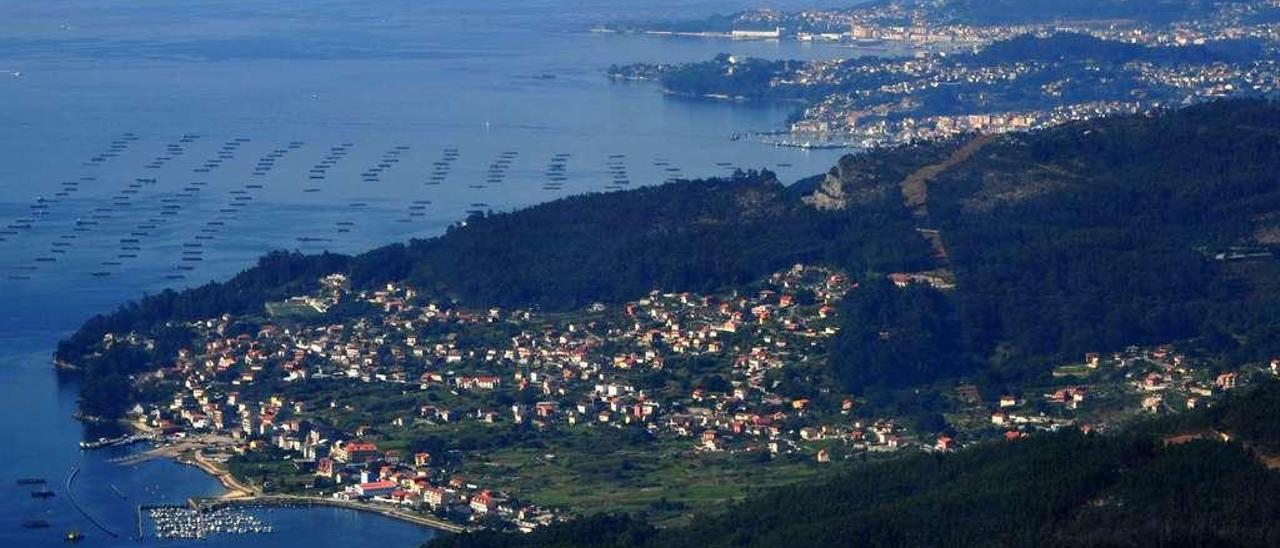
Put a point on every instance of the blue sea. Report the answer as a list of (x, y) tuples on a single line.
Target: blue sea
[(147, 144)]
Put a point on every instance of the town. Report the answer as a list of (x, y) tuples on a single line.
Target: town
[(487, 418), (935, 26), (938, 78)]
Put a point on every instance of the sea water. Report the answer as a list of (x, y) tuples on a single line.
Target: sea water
[(148, 144)]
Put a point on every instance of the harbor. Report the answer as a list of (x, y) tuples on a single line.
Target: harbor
[(291, 501), (175, 522)]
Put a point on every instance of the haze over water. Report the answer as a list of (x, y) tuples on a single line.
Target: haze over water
[(264, 92)]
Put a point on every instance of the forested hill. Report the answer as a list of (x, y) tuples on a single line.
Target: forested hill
[(1162, 486), (1133, 230)]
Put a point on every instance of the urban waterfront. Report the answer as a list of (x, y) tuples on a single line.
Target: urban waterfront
[(516, 81)]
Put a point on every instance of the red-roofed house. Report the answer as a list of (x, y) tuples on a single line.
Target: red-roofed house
[(483, 502), (374, 489), (355, 452)]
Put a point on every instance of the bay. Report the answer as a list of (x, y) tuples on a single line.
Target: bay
[(208, 121)]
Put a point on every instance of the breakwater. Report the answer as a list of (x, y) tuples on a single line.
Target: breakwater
[(71, 495)]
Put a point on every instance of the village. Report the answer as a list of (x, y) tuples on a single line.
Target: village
[(389, 398)]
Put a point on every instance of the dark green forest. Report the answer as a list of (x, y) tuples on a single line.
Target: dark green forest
[(1101, 235), (1061, 489)]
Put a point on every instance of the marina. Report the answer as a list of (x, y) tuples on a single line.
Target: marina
[(172, 522)]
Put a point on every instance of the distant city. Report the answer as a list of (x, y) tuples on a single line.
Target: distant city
[(959, 77)]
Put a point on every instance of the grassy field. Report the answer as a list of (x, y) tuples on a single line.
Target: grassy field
[(291, 310), (1078, 370), (663, 478)]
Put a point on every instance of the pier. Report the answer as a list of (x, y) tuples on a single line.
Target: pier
[(114, 442)]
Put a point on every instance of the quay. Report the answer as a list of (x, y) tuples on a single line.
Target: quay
[(114, 442)]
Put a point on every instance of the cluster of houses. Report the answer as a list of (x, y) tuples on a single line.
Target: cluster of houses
[(368, 474), (1168, 381), (587, 370), (923, 25), (1118, 385), (583, 370), (884, 115)]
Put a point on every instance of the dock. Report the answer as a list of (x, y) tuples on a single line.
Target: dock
[(101, 443)]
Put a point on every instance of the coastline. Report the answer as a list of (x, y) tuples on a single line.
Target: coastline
[(296, 500), (240, 494)]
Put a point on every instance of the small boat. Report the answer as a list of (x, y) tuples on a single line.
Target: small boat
[(31, 481), (35, 524), (42, 494)]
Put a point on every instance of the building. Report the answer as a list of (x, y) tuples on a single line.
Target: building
[(744, 34), (374, 489), (1226, 381), (355, 452), (435, 497), (483, 502)]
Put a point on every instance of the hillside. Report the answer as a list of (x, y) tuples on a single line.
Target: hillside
[(1063, 489), (1091, 237)]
